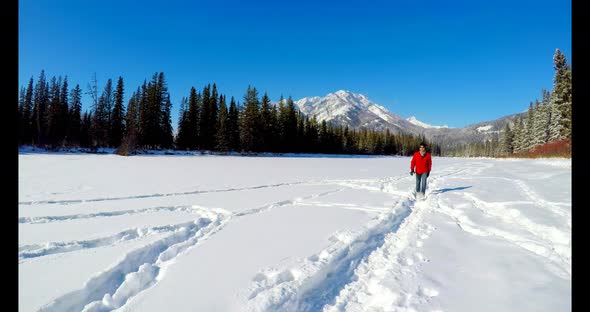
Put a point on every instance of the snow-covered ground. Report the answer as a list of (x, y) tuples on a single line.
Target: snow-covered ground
[(228, 233)]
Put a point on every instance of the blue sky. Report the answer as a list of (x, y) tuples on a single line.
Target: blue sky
[(446, 62)]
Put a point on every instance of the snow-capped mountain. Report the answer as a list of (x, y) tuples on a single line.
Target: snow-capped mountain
[(357, 111), (354, 110), (423, 124)]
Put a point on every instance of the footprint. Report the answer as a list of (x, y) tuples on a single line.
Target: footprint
[(420, 257), (430, 292)]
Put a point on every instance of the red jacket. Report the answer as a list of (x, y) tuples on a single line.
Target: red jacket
[(422, 164)]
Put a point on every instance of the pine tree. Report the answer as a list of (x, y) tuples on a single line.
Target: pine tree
[(75, 118), (118, 116), (162, 110), (40, 105), (213, 112), (289, 123), (63, 116), (249, 124), (54, 110), (108, 99), (20, 120), (222, 132), (85, 130), (233, 128), (506, 141), (166, 122), (310, 135), (555, 125), (539, 124), (274, 128), (281, 130), (130, 139), (27, 115), (142, 115), (182, 135), (101, 121), (546, 109), (529, 141), (323, 137), (562, 91), (300, 133), (192, 124), (266, 130), (518, 140), (203, 123)]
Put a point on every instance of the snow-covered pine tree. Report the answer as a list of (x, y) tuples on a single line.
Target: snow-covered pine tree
[(529, 141), (506, 140), (562, 91), (546, 109), (538, 134), (555, 125), (519, 136)]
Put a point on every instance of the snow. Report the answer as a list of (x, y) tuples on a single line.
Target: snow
[(101, 232), (484, 128), (419, 123), (379, 111)]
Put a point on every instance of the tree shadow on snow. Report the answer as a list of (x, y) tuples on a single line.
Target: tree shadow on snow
[(450, 189)]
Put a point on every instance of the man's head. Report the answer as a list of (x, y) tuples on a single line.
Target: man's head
[(422, 147)]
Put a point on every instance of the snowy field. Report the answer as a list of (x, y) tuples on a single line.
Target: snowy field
[(226, 233)]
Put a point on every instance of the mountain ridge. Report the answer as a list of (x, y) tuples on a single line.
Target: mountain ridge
[(346, 108)]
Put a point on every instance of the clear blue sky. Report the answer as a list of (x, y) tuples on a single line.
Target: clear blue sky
[(446, 62)]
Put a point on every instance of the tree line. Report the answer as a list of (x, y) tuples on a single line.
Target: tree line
[(546, 122), (50, 115)]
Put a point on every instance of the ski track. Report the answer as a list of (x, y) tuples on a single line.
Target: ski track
[(535, 198), (38, 250), (282, 203), (77, 201), (47, 219), (139, 269), (546, 242)]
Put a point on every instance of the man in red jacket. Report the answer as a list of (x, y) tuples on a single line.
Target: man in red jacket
[(421, 165)]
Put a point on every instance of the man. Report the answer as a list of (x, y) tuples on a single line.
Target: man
[(421, 165)]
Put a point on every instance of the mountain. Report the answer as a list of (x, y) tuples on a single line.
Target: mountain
[(357, 111), (422, 124)]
